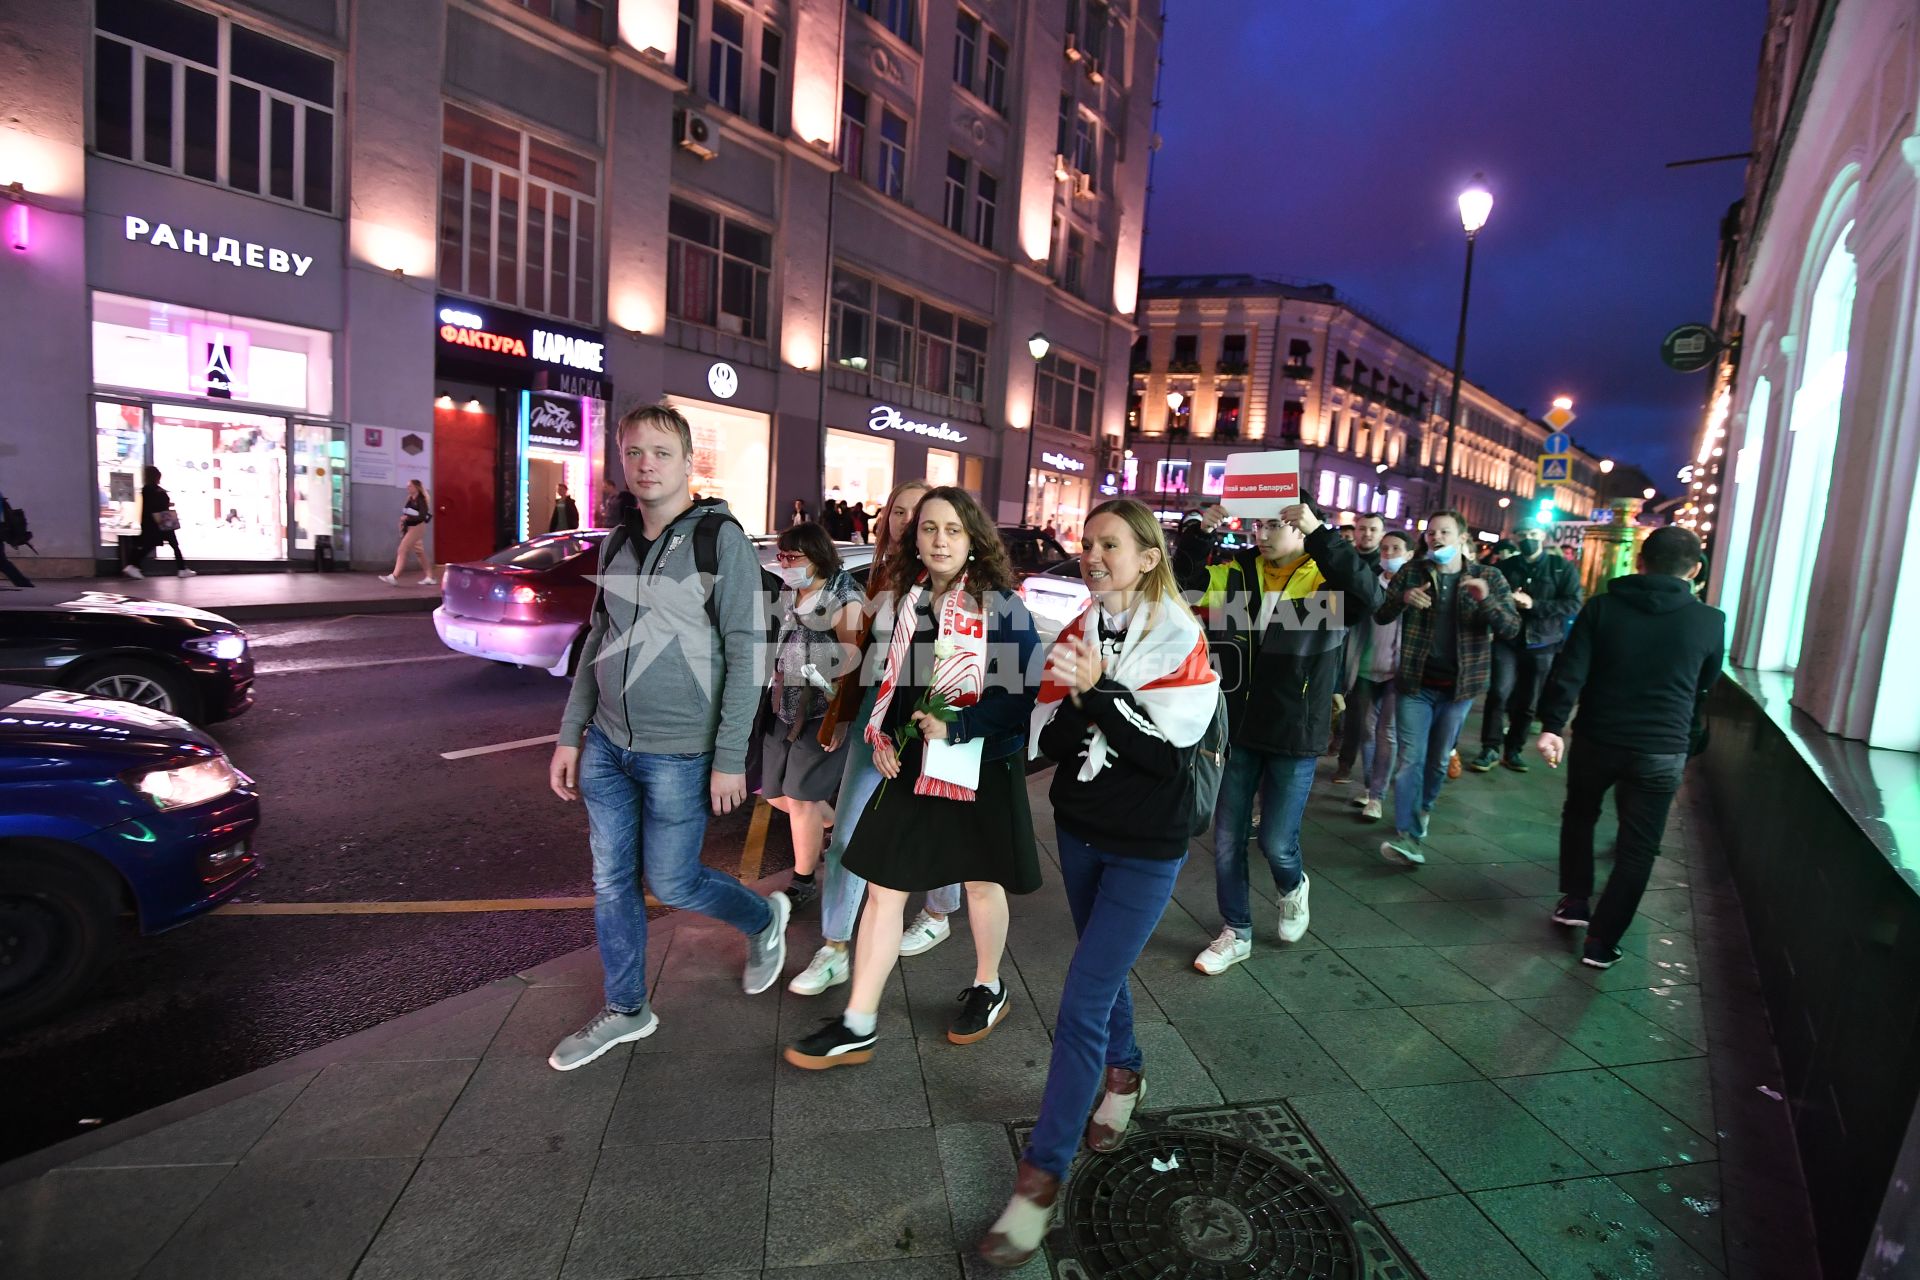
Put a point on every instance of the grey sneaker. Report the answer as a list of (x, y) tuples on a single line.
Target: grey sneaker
[(604, 1030), (767, 951)]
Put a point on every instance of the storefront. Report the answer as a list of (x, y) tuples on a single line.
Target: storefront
[(1059, 490), (520, 409), (233, 411), (872, 447)]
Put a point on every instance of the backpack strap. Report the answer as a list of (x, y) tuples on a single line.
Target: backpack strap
[(612, 543), (706, 556)]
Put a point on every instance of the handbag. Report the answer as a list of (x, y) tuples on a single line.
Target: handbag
[(166, 521)]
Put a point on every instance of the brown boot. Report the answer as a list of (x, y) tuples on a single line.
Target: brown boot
[(1125, 1090), (1018, 1232)]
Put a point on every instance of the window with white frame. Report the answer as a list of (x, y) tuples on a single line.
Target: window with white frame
[(719, 271), (897, 16), (954, 210), (726, 58), (1066, 395), (518, 219), (966, 48), (993, 83), (853, 131), (203, 96), (986, 207), (891, 174), (900, 338), (1086, 147)]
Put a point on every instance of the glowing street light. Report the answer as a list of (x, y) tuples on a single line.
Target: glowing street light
[(1037, 347), (1476, 205)]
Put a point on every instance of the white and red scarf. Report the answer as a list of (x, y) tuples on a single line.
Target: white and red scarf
[(1163, 661), (959, 668)]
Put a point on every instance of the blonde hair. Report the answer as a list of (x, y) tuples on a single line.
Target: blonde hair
[(883, 548), (1158, 586)]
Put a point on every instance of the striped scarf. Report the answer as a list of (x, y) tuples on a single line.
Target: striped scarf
[(959, 669)]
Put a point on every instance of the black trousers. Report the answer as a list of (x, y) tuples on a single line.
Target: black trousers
[(1517, 676), (1643, 786), (152, 541), (13, 574)]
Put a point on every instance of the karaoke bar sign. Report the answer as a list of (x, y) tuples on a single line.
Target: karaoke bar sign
[(1258, 485), (509, 337), (553, 423)]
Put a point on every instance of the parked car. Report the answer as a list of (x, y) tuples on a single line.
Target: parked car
[(113, 817), (529, 605), (167, 657), (1055, 596), (1029, 549)]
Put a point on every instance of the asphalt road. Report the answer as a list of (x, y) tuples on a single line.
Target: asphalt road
[(345, 737)]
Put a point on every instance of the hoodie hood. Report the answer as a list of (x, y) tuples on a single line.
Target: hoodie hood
[(1652, 592)]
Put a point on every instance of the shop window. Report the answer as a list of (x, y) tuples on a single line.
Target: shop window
[(853, 131), (954, 214), (897, 16), (768, 108), (966, 48), (726, 58), (518, 219), (170, 82), (183, 351), (993, 84), (1170, 475), (986, 206), (719, 271), (859, 467), (891, 177), (1343, 493), (1213, 479), (1739, 484), (1392, 510)]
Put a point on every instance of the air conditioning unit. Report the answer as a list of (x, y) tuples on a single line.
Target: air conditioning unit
[(1094, 75), (1073, 48), (1083, 186), (1060, 170), (696, 133)]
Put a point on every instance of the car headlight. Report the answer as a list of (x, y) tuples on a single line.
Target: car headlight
[(180, 785), (224, 645)]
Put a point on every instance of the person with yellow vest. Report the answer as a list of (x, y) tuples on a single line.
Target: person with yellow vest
[(1277, 615)]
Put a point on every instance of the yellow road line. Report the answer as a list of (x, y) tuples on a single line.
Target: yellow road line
[(756, 842), (408, 908)]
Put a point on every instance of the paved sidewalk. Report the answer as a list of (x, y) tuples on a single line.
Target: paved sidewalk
[(1458, 1090), (267, 597)]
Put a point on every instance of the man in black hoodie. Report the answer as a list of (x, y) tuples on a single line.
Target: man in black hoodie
[(1640, 662)]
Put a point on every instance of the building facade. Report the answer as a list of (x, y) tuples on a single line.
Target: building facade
[(296, 253), (1229, 364)]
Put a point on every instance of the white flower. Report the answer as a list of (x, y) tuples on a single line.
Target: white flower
[(945, 647)]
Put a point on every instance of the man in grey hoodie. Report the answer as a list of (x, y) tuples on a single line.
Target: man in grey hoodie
[(657, 725)]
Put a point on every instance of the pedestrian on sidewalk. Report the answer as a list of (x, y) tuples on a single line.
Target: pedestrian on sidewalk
[(656, 727), (1640, 662), (17, 527), (566, 512), (1368, 530), (857, 512), (1546, 592), (1376, 697), (159, 526), (1453, 610), (1277, 616), (415, 514), (819, 629), (853, 705), (946, 730), (1128, 695)]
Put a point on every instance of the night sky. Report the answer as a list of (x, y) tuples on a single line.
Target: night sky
[(1328, 139)]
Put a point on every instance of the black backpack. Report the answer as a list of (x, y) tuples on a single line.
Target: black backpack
[(1209, 762), (13, 528)]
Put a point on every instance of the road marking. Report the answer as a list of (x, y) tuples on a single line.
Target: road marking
[(515, 745), (408, 908), (756, 842), (302, 668)]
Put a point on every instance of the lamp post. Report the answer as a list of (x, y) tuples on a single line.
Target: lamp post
[(1476, 203), (1174, 401), (1037, 347)]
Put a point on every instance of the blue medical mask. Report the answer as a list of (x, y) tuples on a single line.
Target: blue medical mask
[(1393, 565), (1443, 555)]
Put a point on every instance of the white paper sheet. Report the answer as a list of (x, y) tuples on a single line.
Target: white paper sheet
[(957, 765)]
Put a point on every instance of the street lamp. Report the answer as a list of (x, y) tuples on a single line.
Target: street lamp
[(1174, 401), (1476, 204), (1606, 466), (1647, 494), (1505, 503), (1037, 347)]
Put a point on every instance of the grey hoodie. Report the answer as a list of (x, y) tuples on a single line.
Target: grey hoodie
[(654, 676)]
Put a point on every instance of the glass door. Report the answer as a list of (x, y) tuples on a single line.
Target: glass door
[(119, 455), (319, 486), (227, 474)]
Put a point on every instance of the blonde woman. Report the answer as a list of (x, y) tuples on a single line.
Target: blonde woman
[(414, 515), (1128, 694)]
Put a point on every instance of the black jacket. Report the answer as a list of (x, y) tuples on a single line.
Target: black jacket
[(1279, 682), (1639, 662), (566, 515), (1554, 584), (1137, 806)]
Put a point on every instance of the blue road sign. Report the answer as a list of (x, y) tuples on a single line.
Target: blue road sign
[(1558, 443), (1554, 469)]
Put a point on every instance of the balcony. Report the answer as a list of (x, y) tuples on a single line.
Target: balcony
[(1231, 368), (1183, 366), (1299, 372)]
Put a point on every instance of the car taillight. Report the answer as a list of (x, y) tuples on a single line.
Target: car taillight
[(525, 595)]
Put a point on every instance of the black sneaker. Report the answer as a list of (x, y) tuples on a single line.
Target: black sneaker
[(1485, 761), (833, 1045), (980, 1011), (1599, 955), (801, 892), (1573, 911), (1514, 761)]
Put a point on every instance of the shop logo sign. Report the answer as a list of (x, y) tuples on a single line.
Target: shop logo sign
[(235, 253), (574, 353), (551, 424), (723, 380), (217, 361), (885, 417), (1061, 462)]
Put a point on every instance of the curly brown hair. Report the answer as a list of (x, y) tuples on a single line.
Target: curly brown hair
[(988, 569)]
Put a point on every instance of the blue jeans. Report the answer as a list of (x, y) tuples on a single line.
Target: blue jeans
[(1282, 783), (841, 896), (650, 812), (1430, 721), (1115, 902), (1379, 736)]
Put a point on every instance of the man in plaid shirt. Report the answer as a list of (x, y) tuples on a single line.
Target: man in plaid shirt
[(1452, 610)]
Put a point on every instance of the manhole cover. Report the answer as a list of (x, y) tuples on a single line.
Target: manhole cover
[(1176, 1203)]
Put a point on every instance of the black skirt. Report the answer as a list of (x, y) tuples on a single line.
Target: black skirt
[(912, 843)]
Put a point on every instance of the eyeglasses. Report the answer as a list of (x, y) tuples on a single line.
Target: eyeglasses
[(791, 557)]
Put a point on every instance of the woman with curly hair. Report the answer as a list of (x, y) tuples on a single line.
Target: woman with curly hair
[(947, 727)]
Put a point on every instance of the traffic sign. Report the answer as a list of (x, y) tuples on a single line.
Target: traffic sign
[(1559, 419), (1554, 468), (1558, 442), (1689, 348)]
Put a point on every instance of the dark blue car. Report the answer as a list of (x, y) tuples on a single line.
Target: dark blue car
[(112, 817)]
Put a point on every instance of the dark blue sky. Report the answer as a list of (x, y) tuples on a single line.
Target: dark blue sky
[(1329, 138)]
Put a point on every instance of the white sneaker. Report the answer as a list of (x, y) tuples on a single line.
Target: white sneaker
[(924, 934), (1224, 952), (389, 579), (130, 572), (186, 573), (425, 582), (1402, 852), (1293, 913), (828, 969), (1360, 799), (1370, 811)]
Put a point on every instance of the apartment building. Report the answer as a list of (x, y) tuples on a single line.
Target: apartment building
[(296, 253), (1228, 364)]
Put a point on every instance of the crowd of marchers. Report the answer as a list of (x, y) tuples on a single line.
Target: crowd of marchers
[(893, 723)]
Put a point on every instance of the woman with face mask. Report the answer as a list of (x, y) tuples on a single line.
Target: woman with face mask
[(819, 630)]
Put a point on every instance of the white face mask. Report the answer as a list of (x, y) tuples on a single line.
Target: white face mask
[(1393, 565), (796, 576)]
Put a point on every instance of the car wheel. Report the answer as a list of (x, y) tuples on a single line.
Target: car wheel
[(59, 926), (144, 683)]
